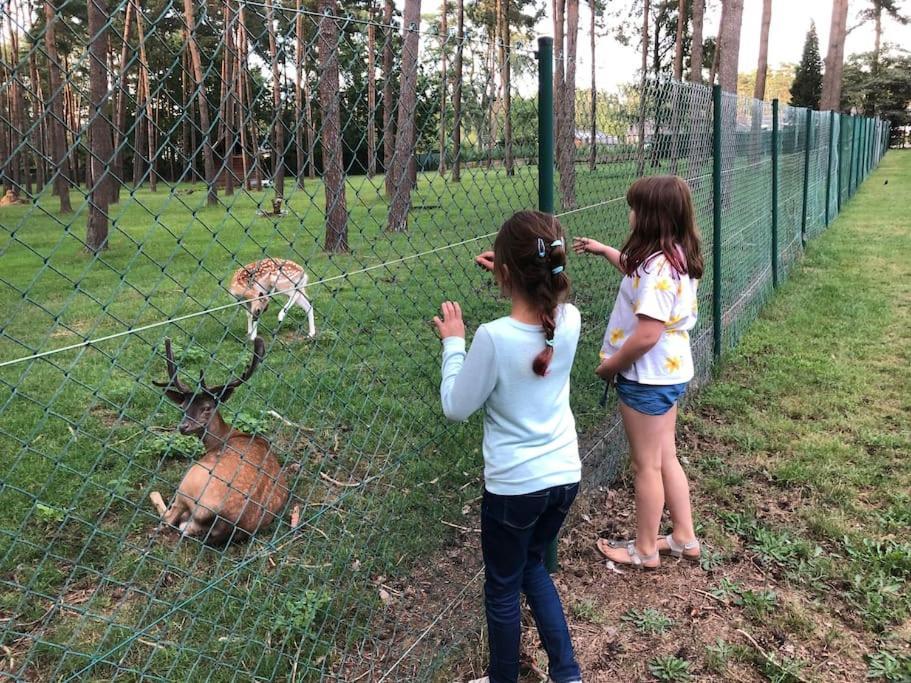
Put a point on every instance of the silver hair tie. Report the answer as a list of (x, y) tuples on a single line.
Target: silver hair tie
[(549, 342), (557, 270)]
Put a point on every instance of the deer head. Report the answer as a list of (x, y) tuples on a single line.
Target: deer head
[(200, 404)]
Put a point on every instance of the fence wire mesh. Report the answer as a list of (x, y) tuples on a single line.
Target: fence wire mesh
[(151, 151)]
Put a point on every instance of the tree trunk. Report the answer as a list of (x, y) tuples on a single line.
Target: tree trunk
[(388, 120), (229, 104), (404, 143), (71, 138), (696, 41), (593, 155), (640, 141), (39, 136), (729, 44), (831, 81), (299, 76), (330, 105), (309, 128), (101, 152), (371, 90), (678, 45), (492, 92), (877, 46), (120, 114), (202, 105), (278, 130), (146, 97), (506, 81), (17, 168), (254, 177), (568, 171), (762, 66), (444, 42), (559, 8), (457, 95)]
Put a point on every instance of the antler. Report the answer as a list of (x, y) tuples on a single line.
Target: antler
[(224, 392), (173, 379)]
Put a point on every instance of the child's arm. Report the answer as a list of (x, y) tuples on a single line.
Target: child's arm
[(468, 378), (582, 245), (647, 333)]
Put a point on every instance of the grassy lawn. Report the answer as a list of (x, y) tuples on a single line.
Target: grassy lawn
[(799, 455), (83, 582)]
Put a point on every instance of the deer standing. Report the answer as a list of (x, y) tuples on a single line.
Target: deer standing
[(237, 487), (255, 283)]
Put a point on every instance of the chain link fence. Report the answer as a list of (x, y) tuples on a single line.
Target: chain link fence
[(151, 151)]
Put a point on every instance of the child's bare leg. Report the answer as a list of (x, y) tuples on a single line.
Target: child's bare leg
[(646, 435), (676, 487)]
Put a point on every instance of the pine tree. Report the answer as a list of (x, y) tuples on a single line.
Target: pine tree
[(807, 86)]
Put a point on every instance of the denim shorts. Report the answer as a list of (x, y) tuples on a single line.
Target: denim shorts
[(649, 399)]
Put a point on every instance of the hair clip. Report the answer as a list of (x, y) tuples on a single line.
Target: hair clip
[(557, 243), (549, 342), (557, 270), (540, 248)]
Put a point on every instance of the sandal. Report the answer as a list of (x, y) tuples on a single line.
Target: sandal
[(678, 551), (637, 561)]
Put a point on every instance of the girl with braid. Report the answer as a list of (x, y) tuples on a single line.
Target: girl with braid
[(518, 369)]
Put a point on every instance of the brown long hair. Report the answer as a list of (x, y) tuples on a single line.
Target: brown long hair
[(525, 258), (663, 221)]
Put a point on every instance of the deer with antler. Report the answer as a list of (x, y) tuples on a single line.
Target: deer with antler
[(237, 487)]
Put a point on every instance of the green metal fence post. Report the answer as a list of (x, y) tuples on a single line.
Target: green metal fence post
[(806, 177), (546, 125), (841, 162), (829, 165), (853, 145), (775, 192), (546, 171), (716, 221)]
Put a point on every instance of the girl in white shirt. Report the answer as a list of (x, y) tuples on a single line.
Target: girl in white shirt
[(646, 351), (518, 370)]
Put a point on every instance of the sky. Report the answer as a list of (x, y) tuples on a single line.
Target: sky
[(790, 23)]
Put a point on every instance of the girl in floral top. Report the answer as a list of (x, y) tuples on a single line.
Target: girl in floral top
[(646, 352)]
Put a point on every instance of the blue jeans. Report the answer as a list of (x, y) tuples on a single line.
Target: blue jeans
[(515, 534)]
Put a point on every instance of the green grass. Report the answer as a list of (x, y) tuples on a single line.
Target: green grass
[(86, 434), (814, 409)]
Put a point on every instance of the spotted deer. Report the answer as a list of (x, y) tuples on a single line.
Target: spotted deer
[(237, 487), (255, 283)]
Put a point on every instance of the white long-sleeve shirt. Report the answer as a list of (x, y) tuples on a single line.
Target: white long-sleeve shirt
[(530, 439)]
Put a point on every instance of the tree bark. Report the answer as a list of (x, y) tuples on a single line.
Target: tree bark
[(146, 99), (330, 105), (101, 152), (202, 105), (120, 112), (17, 168), (729, 44), (593, 154), (696, 42), (39, 136), (444, 40), (457, 95), (388, 120), (568, 171), (278, 130), (831, 81), (404, 143), (559, 10), (506, 80), (640, 142), (299, 76), (678, 45), (371, 91), (763, 65)]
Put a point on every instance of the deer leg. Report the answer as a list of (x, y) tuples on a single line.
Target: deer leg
[(158, 503), (254, 324), (304, 303), (282, 313)]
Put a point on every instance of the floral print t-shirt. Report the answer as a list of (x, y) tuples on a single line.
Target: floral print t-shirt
[(658, 291)]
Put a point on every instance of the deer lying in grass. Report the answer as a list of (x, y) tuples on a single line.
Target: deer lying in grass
[(255, 283), (237, 487)]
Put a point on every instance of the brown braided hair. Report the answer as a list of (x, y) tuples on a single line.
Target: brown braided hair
[(524, 260)]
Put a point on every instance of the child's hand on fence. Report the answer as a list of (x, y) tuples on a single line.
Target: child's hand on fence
[(451, 324), (586, 245), (485, 260)]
